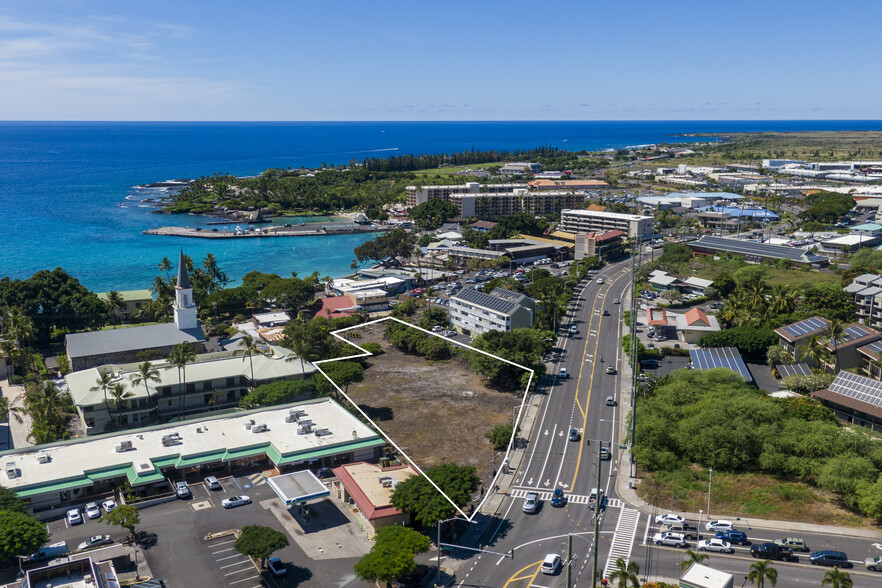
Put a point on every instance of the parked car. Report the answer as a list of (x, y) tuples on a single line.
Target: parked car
[(720, 525), (94, 541), (182, 490), (276, 567), (575, 435), (668, 519), (715, 545), (49, 551), (212, 483), (92, 511), (770, 550), (108, 505), (74, 517), (837, 559), (550, 564), (874, 564), (733, 536), (794, 543), (236, 501), (531, 502), (669, 538), (557, 498)]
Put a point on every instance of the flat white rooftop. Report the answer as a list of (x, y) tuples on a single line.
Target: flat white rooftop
[(80, 462), (604, 214)]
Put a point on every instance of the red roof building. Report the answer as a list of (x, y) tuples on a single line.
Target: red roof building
[(370, 487), (335, 307)]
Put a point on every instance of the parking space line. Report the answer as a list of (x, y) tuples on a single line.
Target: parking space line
[(244, 579), (221, 551), (238, 563), (223, 543), (240, 572), (227, 557)]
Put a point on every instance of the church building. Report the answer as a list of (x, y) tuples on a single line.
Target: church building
[(123, 345)]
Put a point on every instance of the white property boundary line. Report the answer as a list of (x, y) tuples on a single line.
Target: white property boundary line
[(365, 353)]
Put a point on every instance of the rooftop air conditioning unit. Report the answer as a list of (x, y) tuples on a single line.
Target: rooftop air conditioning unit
[(249, 424), (258, 428), (303, 429), (386, 481), (322, 432), (11, 470), (43, 457)]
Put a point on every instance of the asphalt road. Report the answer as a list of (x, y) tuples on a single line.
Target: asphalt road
[(552, 461)]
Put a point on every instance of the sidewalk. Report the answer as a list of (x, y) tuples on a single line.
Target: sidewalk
[(15, 434)]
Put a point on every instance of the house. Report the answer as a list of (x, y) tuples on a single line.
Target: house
[(559, 184), (133, 301), (475, 312), (693, 285), (661, 280), (124, 345), (335, 307), (266, 320), (854, 399), (67, 474), (389, 284), (794, 338), (845, 350), (370, 487), (212, 382), (695, 323)]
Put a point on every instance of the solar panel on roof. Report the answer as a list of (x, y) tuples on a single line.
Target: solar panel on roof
[(758, 249), (801, 328), (854, 332), (485, 300), (725, 357), (858, 387), (875, 347), (799, 369)]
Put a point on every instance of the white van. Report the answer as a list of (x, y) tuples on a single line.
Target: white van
[(50, 551)]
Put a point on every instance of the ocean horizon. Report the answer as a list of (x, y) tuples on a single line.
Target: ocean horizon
[(68, 196)]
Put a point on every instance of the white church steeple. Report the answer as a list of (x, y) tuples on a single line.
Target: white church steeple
[(185, 308)]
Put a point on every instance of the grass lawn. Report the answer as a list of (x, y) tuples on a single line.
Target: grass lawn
[(450, 171), (746, 496), (709, 268)]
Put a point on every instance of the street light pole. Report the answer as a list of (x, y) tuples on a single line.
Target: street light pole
[(710, 474)]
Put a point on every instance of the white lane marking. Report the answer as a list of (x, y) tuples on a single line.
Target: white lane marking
[(222, 550), (238, 563), (245, 579), (623, 541), (548, 454), (227, 557)]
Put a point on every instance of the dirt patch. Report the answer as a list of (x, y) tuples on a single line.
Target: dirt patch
[(437, 412), (748, 495)]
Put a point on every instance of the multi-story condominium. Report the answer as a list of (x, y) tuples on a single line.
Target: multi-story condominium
[(422, 194), (592, 221), (475, 312), (867, 292), (497, 200)]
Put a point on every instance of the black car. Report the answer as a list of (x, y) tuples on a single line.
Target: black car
[(575, 435), (770, 550), (837, 559), (733, 536)]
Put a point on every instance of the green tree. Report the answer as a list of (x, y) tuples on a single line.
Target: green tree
[(341, 373), (165, 265), (10, 502), (181, 354), (391, 556), (396, 243), (777, 355), (691, 558), (248, 348), (760, 571), (103, 383), (115, 303), (836, 578), (120, 395), (260, 542), (625, 574), (125, 516), (434, 316), (428, 506), (432, 213), (146, 373), (500, 435), (278, 392), (20, 534), (835, 333)]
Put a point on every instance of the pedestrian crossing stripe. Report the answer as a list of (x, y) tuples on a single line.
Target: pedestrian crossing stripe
[(571, 498), (623, 540), (256, 479)]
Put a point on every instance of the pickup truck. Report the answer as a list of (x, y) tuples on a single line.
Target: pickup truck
[(771, 551)]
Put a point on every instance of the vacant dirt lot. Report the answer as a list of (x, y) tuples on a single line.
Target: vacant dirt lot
[(437, 412)]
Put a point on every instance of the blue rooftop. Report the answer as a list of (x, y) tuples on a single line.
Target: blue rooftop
[(737, 211)]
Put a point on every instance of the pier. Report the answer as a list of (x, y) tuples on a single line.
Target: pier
[(304, 230)]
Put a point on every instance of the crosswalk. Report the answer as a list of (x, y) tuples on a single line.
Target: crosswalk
[(626, 529), (256, 479), (571, 498)]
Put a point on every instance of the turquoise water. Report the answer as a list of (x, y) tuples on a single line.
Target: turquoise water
[(67, 196)]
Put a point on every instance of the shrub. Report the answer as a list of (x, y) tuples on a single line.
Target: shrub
[(500, 435)]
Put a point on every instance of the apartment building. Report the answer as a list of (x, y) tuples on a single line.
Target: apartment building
[(497, 200), (867, 292), (422, 194), (475, 312), (593, 221), (520, 168)]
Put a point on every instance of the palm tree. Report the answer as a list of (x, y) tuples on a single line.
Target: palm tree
[(166, 265), (47, 406), (815, 351), (146, 374), (781, 300), (160, 287), (692, 558), (180, 356), (248, 347), (215, 275), (119, 394), (19, 328), (115, 303), (296, 339), (103, 383), (626, 574), (760, 571), (836, 578), (835, 333)]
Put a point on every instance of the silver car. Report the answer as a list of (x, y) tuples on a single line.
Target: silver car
[(236, 501), (669, 538)]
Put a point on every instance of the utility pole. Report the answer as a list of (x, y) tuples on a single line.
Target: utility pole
[(597, 505), (633, 356), (569, 560)]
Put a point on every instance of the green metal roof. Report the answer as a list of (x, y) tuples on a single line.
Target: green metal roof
[(165, 461), (200, 459), (282, 460), (113, 472), (55, 487), (136, 480), (246, 452)]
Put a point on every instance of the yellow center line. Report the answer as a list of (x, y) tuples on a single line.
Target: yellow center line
[(515, 577), (591, 385)]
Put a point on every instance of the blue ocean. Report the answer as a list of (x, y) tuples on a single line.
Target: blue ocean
[(67, 196)]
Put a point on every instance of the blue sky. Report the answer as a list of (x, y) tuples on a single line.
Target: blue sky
[(404, 60)]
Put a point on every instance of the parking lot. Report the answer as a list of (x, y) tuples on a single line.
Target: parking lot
[(178, 553)]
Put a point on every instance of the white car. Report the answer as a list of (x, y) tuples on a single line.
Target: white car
[(599, 280), (617, 301), (92, 511), (717, 545), (668, 519), (236, 501), (531, 503), (108, 505), (669, 538), (720, 525), (550, 564), (74, 517), (94, 541)]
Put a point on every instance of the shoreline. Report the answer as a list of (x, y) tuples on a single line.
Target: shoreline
[(278, 231)]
